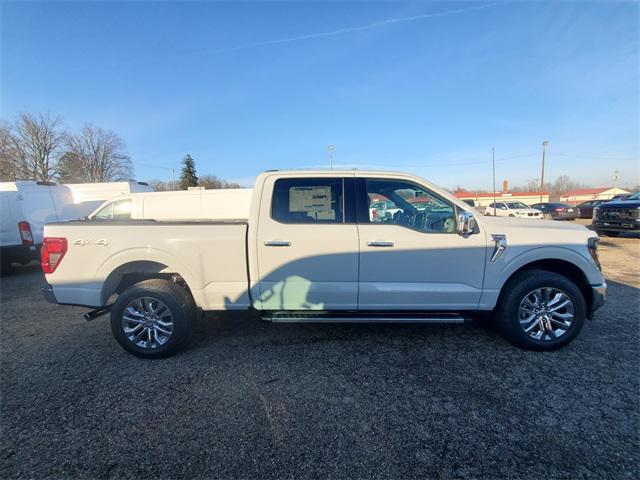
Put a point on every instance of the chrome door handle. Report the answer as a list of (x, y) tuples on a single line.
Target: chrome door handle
[(277, 243), (380, 244)]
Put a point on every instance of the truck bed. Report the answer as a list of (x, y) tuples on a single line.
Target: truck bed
[(211, 257)]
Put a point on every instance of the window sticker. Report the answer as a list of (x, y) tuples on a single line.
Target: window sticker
[(315, 201)]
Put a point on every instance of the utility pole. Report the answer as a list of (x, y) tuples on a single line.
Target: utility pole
[(544, 153), (173, 179), (330, 150), (493, 162), (616, 177)]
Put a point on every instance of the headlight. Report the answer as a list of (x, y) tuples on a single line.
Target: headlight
[(595, 212), (592, 244)]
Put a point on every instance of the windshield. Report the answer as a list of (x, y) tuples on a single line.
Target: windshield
[(516, 205), (634, 196)]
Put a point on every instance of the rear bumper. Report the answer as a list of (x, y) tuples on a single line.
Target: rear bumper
[(598, 297), (63, 298), (19, 253), (564, 216), (47, 293)]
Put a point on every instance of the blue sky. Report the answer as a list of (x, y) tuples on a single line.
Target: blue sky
[(425, 87)]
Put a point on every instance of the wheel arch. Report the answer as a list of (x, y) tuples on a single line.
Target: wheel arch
[(130, 273), (562, 267)]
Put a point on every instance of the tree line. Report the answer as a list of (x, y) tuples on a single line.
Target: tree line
[(189, 178), (39, 147), (560, 186)]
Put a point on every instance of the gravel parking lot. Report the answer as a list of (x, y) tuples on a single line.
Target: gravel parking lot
[(252, 399)]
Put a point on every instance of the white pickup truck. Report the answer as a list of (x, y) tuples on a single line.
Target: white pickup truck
[(310, 250)]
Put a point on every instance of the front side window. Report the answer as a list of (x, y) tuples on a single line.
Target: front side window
[(308, 200), (514, 205), (120, 210), (409, 205)]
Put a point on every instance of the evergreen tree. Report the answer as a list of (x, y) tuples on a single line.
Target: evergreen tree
[(188, 176)]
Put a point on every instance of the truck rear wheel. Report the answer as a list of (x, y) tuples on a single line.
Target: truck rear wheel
[(540, 310), (153, 318)]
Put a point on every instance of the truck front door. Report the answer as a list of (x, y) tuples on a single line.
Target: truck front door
[(307, 244), (415, 259)]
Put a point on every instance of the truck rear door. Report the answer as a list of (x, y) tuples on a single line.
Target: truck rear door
[(307, 244)]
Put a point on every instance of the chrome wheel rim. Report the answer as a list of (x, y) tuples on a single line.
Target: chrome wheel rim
[(147, 322), (546, 313)]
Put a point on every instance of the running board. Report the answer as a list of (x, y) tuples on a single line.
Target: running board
[(354, 317)]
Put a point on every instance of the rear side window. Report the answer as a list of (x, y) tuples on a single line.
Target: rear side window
[(308, 200)]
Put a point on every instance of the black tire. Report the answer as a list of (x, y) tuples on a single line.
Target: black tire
[(178, 301), (517, 288), (608, 233)]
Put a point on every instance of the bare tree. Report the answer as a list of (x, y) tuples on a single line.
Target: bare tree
[(10, 155), (212, 182), (160, 185), (36, 144), (96, 155)]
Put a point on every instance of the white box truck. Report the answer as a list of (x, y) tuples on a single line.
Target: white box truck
[(89, 196)]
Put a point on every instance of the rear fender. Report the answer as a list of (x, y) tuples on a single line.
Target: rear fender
[(150, 260)]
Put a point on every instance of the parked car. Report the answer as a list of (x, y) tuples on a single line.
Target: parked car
[(620, 196), (614, 217), (309, 251), (26, 206), (585, 209), (512, 209), (221, 204), (557, 211)]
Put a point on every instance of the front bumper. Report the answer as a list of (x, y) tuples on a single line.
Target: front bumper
[(631, 225), (598, 298)]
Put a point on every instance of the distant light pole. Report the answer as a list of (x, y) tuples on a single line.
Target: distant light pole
[(616, 177), (330, 150), (493, 162), (544, 153)]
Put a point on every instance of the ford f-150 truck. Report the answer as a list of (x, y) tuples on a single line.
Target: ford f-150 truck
[(311, 250), (618, 216)]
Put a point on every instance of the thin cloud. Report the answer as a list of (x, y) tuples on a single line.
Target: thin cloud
[(311, 36), (370, 26)]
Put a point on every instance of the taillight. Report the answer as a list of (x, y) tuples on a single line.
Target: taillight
[(52, 252), (558, 209), (25, 233)]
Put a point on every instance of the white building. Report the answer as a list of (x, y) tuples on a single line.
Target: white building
[(580, 195)]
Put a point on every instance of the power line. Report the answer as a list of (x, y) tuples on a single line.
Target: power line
[(445, 164), (592, 157)]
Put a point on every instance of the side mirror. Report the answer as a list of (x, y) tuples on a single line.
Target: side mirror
[(466, 223)]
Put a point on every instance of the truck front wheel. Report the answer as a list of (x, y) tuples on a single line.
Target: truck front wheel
[(540, 310), (153, 318)]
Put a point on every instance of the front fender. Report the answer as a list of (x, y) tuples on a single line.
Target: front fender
[(498, 273)]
